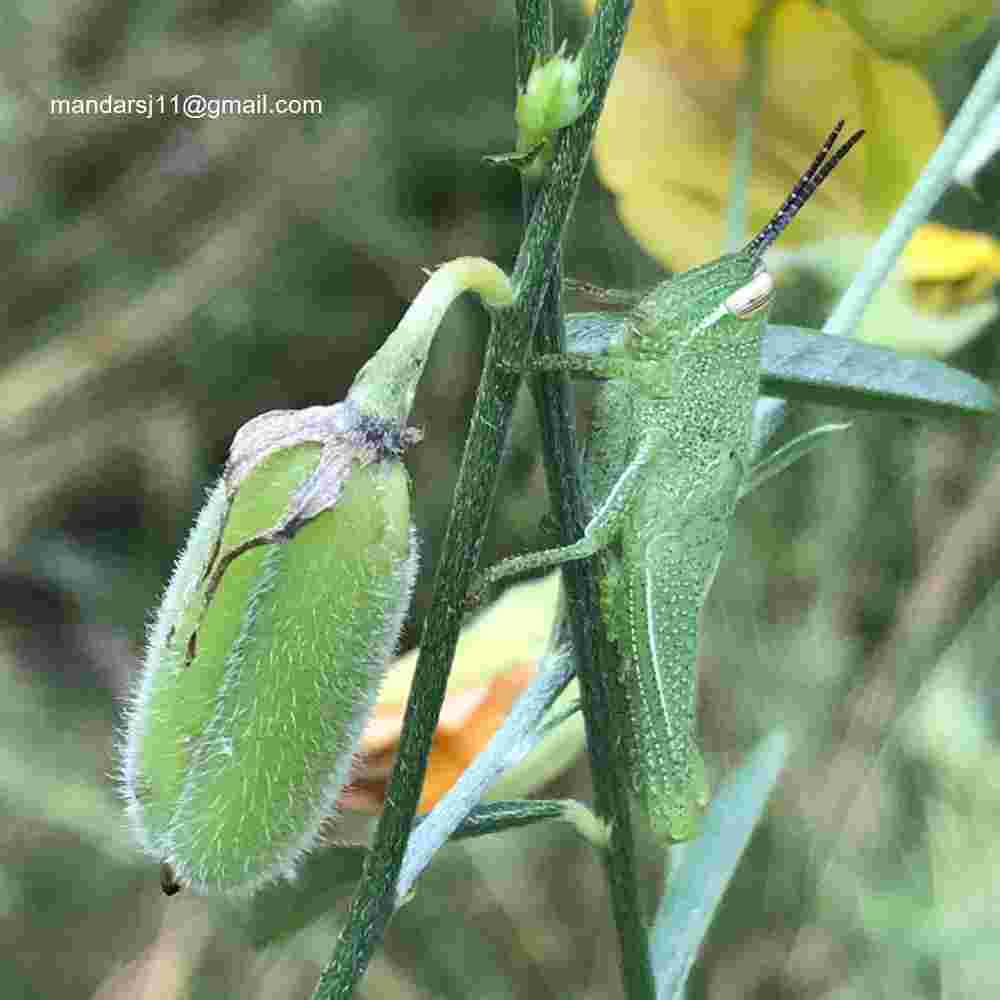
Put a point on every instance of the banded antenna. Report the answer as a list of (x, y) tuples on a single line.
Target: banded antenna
[(818, 171)]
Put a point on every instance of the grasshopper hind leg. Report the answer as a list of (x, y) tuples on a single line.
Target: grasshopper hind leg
[(669, 774)]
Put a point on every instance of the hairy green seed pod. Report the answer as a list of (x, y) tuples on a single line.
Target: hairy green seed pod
[(269, 647), (283, 612)]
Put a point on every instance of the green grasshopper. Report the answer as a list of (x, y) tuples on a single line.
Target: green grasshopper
[(669, 457)]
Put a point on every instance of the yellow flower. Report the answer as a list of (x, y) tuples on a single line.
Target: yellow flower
[(665, 142), (949, 268)]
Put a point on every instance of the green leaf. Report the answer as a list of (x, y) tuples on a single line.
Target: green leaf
[(508, 814), (281, 909), (786, 456), (593, 332), (520, 733), (797, 363), (708, 864)]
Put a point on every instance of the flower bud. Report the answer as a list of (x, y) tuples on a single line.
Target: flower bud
[(550, 101), (283, 612), (270, 645)]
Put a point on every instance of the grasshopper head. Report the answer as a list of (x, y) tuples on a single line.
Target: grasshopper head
[(731, 296), (724, 297)]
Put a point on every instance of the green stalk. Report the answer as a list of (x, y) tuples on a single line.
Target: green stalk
[(601, 697), (918, 204), (374, 901), (751, 93)]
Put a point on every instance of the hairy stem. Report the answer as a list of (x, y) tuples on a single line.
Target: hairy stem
[(374, 901), (601, 698)]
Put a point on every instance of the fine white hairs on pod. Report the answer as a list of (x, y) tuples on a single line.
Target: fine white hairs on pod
[(268, 649)]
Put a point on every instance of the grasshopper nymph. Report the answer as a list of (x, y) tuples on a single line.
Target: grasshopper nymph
[(670, 451)]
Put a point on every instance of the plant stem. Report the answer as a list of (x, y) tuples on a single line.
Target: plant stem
[(535, 36), (601, 697), (387, 384), (917, 205), (749, 102), (374, 901)]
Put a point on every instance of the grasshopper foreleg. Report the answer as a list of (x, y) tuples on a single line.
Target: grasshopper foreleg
[(601, 530)]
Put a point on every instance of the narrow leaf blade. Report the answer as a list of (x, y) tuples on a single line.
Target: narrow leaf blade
[(508, 814), (797, 363), (696, 888)]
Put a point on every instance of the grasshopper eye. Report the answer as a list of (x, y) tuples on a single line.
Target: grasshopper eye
[(750, 298)]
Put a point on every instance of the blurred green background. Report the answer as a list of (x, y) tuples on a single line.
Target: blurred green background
[(166, 279)]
